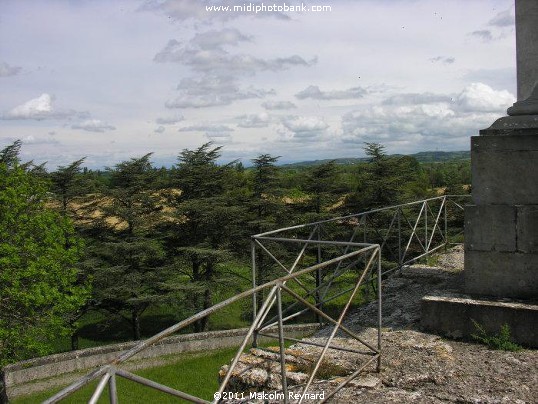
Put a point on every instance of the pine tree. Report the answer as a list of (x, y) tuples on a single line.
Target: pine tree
[(133, 272), (207, 225), (66, 183)]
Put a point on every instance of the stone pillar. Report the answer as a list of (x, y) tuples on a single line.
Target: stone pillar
[(527, 47), (501, 226)]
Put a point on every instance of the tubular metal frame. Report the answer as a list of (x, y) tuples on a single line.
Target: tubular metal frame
[(352, 254), (108, 373)]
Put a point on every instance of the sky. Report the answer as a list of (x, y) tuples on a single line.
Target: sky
[(114, 80)]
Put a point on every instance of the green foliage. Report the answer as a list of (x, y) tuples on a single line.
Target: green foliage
[(198, 175), (320, 183), (501, 341), (176, 236), (131, 183), (131, 272), (385, 181), (39, 281), (265, 201), (209, 223), (66, 183), (451, 175)]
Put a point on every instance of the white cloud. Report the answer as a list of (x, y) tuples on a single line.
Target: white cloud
[(212, 90), (260, 120), (503, 19), (216, 39), (206, 128), (499, 78), (220, 137), (217, 60), (183, 10), (201, 101), (37, 108), (214, 132), (417, 98), (305, 127), (93, 125), (479, 97), (32, 140), (7, 70), (160, 129), (443, 60), (178, 10), (169, 120), (41, 108), (427, 118), (241, 67), (315, 93), (278, 105), (484, 34)]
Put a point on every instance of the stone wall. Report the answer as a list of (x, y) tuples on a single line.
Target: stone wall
[(75, 361), (501, 241)]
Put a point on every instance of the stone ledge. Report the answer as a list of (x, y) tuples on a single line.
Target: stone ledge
[(453, 317), (58, 364), (513, 125)]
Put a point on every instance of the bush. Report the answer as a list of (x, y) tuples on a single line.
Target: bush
[(501, 341)]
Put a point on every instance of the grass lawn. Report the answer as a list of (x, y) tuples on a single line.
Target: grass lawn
[(193, 374)]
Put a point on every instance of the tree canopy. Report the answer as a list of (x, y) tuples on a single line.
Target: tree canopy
[(39, 285)]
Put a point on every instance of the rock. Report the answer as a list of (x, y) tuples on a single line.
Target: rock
[(416, 367), (367, 381)]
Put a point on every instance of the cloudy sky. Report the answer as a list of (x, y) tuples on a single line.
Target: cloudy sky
[(117, 79)]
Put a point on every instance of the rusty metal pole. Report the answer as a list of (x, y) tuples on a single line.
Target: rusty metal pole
[(281, 344)]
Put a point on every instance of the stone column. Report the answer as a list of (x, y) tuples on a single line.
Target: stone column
[(501, 226), (527, 47)]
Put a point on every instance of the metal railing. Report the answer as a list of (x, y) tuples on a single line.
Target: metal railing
[(405, 233), (318, 261), (290, 286)]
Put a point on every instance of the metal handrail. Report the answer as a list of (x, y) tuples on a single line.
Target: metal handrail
[(397, 221), (108, 373), (351, 255), (427, 236)]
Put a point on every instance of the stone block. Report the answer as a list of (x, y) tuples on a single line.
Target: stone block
[(453, 317), (527, 229), (490, 228), (501, 274), (504, 169), (513, 125)]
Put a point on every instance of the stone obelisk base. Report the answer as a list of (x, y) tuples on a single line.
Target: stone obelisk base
[(501, 226), (501, 239)]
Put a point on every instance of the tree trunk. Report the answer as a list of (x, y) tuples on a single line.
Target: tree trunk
[(136, 324), (3, 389), (207, 304), (74, 341), (196, 277)]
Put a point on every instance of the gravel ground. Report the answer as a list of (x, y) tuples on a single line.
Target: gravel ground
[(425, 368)]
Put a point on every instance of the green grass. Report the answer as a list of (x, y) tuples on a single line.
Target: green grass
[(193, 374)]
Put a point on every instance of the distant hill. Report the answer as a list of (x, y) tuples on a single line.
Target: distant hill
[(422, 157)]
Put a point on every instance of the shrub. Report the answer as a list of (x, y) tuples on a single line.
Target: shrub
[(501, 341)]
